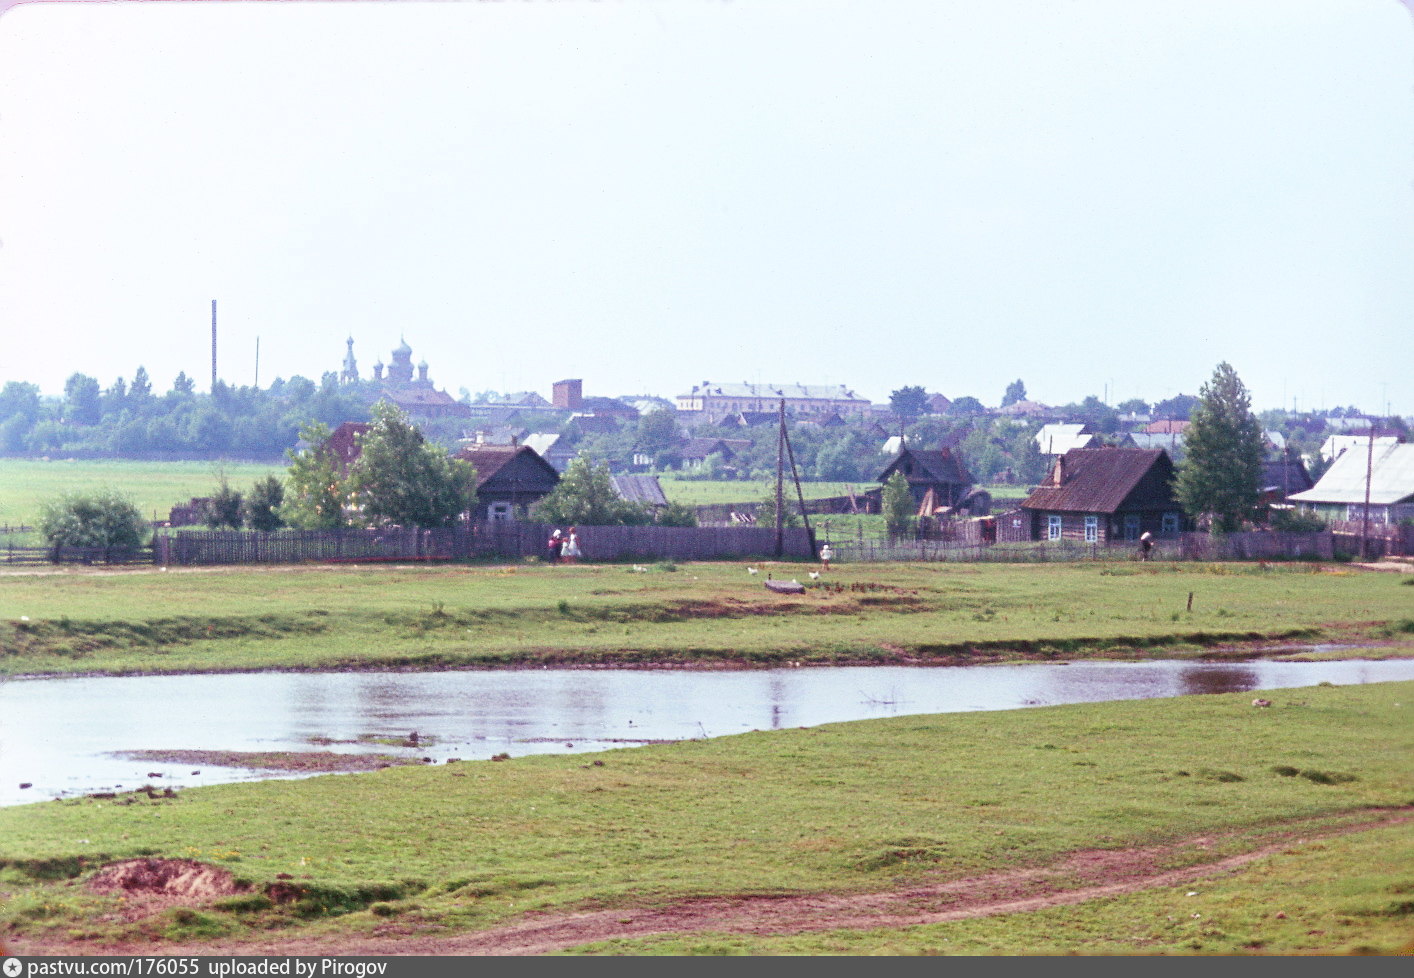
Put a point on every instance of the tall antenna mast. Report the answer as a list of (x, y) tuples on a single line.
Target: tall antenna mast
[(257, 363), (213, 344)]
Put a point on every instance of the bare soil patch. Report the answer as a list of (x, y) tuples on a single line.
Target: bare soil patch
[(182, 880), (310, 762)]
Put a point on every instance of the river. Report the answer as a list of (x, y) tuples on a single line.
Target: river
[(67, 736)]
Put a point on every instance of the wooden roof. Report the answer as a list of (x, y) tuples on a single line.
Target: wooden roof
[(491, 459), (1096, 480), (939, 465)]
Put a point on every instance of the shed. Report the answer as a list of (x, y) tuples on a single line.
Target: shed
[(642, 489)]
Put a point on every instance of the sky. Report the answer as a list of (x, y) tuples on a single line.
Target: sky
[(1096, 197)]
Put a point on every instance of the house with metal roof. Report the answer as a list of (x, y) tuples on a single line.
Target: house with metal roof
[(1101, 495), (1384, 476), (1057, 438), (1335, 445)]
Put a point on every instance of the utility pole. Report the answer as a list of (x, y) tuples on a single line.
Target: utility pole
[(780, 486), (257, 363), (1369, 471)]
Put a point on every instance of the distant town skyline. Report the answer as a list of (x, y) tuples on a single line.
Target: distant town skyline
[(1096, 197)]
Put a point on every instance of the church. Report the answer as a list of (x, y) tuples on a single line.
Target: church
[(395, 383)]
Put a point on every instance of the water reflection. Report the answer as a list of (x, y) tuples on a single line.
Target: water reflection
[(1220, 679), (61, 734)]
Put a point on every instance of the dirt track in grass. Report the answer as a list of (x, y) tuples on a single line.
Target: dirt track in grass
[(1071, 879)]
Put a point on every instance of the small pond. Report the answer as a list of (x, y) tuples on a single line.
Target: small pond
[(67, 736)]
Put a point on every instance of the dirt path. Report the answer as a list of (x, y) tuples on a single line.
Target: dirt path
[(1073, 879)]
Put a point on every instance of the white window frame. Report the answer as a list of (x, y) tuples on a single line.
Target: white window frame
[(500, 512), (1092, 529), (1053, 527)]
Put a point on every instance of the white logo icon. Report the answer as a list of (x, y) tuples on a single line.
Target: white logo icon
[(12, 967)]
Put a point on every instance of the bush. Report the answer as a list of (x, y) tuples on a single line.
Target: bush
[(1295, 521), (104, 519)]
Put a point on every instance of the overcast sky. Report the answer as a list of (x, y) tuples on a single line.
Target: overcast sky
[(1095, 197)]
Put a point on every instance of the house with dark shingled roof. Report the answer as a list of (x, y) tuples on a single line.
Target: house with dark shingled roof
[(938, 472), (1104, 495)]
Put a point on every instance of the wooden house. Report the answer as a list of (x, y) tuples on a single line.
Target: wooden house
[(1102, 495), (509, 480), (936, 477)]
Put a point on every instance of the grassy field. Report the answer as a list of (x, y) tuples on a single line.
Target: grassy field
[(154, 487), (692, 492), (1046, 801), (218, 619)]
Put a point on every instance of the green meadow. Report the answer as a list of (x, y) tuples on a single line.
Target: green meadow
[(214, 619), (154, 487), (1320, 783)]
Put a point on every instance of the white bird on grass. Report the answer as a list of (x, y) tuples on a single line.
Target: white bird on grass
[(814, 575), (752, 570)]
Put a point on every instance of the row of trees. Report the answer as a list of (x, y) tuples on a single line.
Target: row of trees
[(129, 418)]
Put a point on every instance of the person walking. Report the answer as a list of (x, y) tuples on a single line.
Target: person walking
[(556, 546), (826, 554), (572, 552)]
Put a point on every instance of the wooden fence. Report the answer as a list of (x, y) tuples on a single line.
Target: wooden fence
[(1263, 545), (495, 540), (1188, 546), (1381, 539), (31, 556)]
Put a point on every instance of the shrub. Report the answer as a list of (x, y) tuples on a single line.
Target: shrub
[(104, 519)]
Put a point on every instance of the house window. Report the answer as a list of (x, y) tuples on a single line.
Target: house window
[(1092, 529), (1168, 526), (499, 512), (1131, 527), (1053, 527)]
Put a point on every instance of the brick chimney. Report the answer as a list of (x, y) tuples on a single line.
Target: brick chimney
[(569, 394)]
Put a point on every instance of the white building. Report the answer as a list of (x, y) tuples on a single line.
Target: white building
[(711, 402)]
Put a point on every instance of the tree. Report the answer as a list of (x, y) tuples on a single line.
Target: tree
[(403, 479), (585, 496), (103, 519), (1221, 471), (141, 387), (317, 494), (20, 400), (262, 504), (766, 510), (966, 407), (676, 514), (897, 504), (1175, 408), (183, 385), (224, 508), (909, 402), (1133, 406), (1015, 391), (82, 400)]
